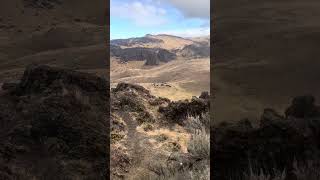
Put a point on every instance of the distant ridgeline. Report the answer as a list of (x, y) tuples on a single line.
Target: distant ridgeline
[(133, 49), (134, 41)]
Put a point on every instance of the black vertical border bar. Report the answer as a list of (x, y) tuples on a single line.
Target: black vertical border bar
[(107, 41), (212, 95)]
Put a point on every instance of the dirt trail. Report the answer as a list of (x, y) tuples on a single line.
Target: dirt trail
[(137, 143)]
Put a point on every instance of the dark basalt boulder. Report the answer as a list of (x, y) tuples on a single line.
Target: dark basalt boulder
[(178, 111)]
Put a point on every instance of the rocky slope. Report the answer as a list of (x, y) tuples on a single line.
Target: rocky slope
[(54, 125), (145, 127), (281, 143), (196, 50)]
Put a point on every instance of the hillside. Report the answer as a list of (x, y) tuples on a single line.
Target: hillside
[(163, 41), (54, 125), (282, 146), (153, 137), (177, 72), (176, 80), (47, 32), (182, 47), (265, 54)]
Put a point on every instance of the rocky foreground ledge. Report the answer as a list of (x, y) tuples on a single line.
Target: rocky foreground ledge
[(54, 125), (283, 145)]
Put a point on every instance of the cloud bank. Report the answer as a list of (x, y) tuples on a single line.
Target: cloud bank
[(192, 8), (140, 13)]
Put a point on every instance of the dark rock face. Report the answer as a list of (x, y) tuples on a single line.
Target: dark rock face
[(197, 50), (180, 110), (37, 79), (56, 117), (273, 146), (150, 55), (204, 95), (303, 107)]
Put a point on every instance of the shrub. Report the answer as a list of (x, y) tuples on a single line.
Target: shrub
[(307, 171), (199, 145), (147, 127)]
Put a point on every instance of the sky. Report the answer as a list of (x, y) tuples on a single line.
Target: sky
[(136, 18)]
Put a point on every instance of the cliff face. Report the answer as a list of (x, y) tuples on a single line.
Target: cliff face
[(152, 56), (197, 50), (54, 125)]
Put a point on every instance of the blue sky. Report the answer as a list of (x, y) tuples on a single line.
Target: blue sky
[(186, 18)]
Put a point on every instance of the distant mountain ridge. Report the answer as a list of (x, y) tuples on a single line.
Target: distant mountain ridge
[(133, 41), (159, 48)]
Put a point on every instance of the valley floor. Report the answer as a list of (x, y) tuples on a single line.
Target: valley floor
[(177, 80)]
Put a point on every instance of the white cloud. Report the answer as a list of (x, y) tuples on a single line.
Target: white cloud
[(192, 8), (192, 32), (141, 13)]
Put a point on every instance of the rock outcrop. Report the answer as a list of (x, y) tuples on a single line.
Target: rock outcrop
[(196, 50), (178, 111), (272, 147), (152, 56), (54, 125)]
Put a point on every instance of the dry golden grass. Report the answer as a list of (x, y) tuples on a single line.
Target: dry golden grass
[(186, 78), (178, 135)]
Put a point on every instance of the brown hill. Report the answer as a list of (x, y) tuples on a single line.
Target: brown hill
[(46, 32), (163, 41), (265, 53)]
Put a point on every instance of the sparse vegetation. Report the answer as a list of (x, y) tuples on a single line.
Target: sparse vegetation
[(305, 171), (195, 164), (56, 125), (161, 137), (149, 146), (279, 148), (147, 126)]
